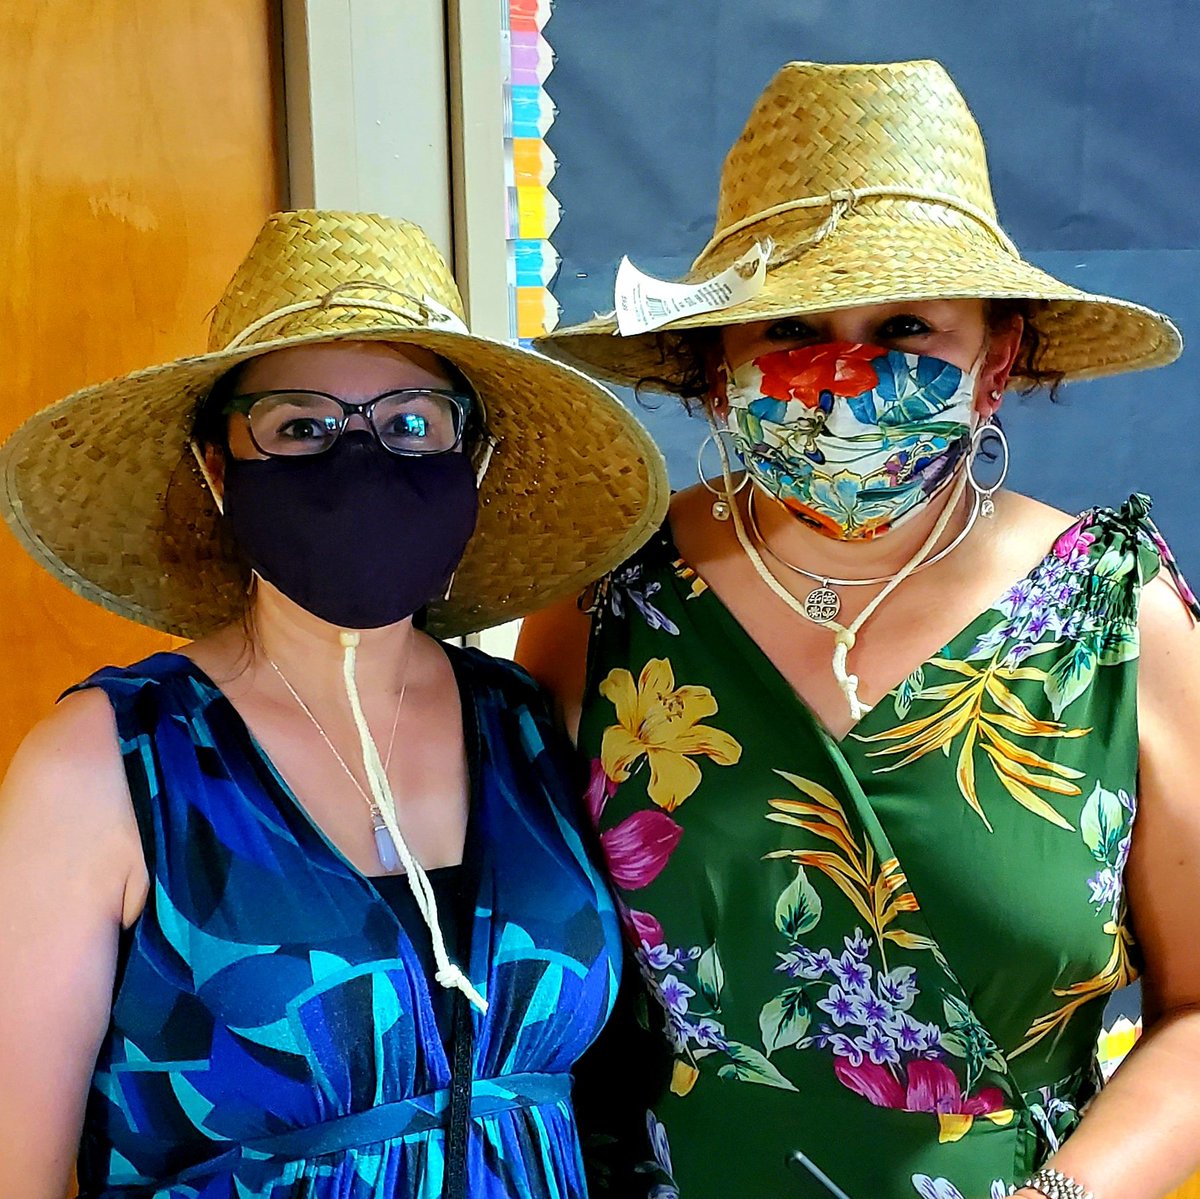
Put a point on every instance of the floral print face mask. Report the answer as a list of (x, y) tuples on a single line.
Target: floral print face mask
[(854, 439)]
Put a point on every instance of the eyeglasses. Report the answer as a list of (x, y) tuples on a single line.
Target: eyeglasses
[(413, 422)]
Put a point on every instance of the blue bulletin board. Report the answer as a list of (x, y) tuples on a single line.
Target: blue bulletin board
[(1090, 115)]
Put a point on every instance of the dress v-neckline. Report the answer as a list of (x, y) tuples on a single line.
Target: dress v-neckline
[(281, 790), (773, 678), (284, 790), (282, 794)]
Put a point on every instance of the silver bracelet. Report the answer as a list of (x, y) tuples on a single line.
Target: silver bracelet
[(1054, 1184)]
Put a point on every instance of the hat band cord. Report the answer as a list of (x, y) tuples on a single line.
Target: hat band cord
[(846, 200), (429, 312)]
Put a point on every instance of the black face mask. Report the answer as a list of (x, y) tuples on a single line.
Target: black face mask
[(357, 536)]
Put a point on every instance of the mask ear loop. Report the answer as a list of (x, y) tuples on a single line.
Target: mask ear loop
[(198, 454), (490, 446)]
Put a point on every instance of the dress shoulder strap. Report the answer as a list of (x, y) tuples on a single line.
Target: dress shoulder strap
[(145, 698), (1130, 549)]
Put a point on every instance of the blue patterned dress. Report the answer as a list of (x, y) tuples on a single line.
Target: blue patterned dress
[(272, 1033)]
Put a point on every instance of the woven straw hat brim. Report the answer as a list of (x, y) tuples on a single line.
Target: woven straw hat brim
[(887, 251), (102, 489)]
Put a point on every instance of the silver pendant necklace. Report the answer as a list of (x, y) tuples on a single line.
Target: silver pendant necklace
[(385, 846), (822, 604)]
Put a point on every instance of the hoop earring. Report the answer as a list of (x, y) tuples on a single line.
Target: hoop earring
[(723, 505), (990, 426), (450, 584)]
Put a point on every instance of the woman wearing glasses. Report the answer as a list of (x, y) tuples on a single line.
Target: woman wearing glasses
[(304, 907)]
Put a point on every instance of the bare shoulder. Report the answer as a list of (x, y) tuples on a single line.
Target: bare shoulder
[(1031, 520), (68, 848), (1170, 645), (77, 741), (65, 799)]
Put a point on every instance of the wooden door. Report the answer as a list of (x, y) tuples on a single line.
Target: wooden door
[(138, 156)]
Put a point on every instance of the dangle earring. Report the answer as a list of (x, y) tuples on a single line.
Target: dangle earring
[(988, 428), (722, 505)]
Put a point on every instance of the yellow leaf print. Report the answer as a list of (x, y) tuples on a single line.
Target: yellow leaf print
[(683, 1077), (1118, 972), (697, 586), (878, 890), (662, 722), (1020, 771), (953, 1126)]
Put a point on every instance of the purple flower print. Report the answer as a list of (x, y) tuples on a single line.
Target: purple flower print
[(1064, 594), (909, 1034), (1016, 597), (675, 994), (851, 972), (708, 1034), (1051, 571), (935, 1188), (628, 586), (933, 1042), (661, 957), (878, 1046), (873, 1011), (858, 945), (898, 988), (845, 1047), (809, 964), (1036, 626), (662, 1159), (1105, 887), (844, 1009)]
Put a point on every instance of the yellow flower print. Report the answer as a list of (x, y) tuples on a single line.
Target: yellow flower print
[(662, 721)]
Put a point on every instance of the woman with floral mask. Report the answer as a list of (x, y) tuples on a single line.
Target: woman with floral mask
[(305, 906), (868, 734)]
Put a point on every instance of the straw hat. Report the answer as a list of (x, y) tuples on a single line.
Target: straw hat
[(871, 182), (103, 491)]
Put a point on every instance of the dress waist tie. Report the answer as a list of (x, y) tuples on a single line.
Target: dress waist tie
[(390, 1121)]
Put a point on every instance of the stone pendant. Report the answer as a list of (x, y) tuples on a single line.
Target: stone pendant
[(385, 847), (822, 605)]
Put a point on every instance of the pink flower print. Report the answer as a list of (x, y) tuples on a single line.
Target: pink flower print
[(636, 851), (929, 1087), (644, 929), (871, 1081), (934, 1087), (639, 847), (1074, 543), (600, 790)]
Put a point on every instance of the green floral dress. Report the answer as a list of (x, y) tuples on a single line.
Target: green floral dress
[(890, 952)]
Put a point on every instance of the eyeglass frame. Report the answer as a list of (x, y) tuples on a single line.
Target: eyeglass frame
[(243, 402)]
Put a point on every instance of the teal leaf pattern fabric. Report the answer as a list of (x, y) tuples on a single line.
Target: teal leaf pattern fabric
[(272, 1033)]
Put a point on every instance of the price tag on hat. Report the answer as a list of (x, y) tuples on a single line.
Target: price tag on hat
[(644, 303)]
